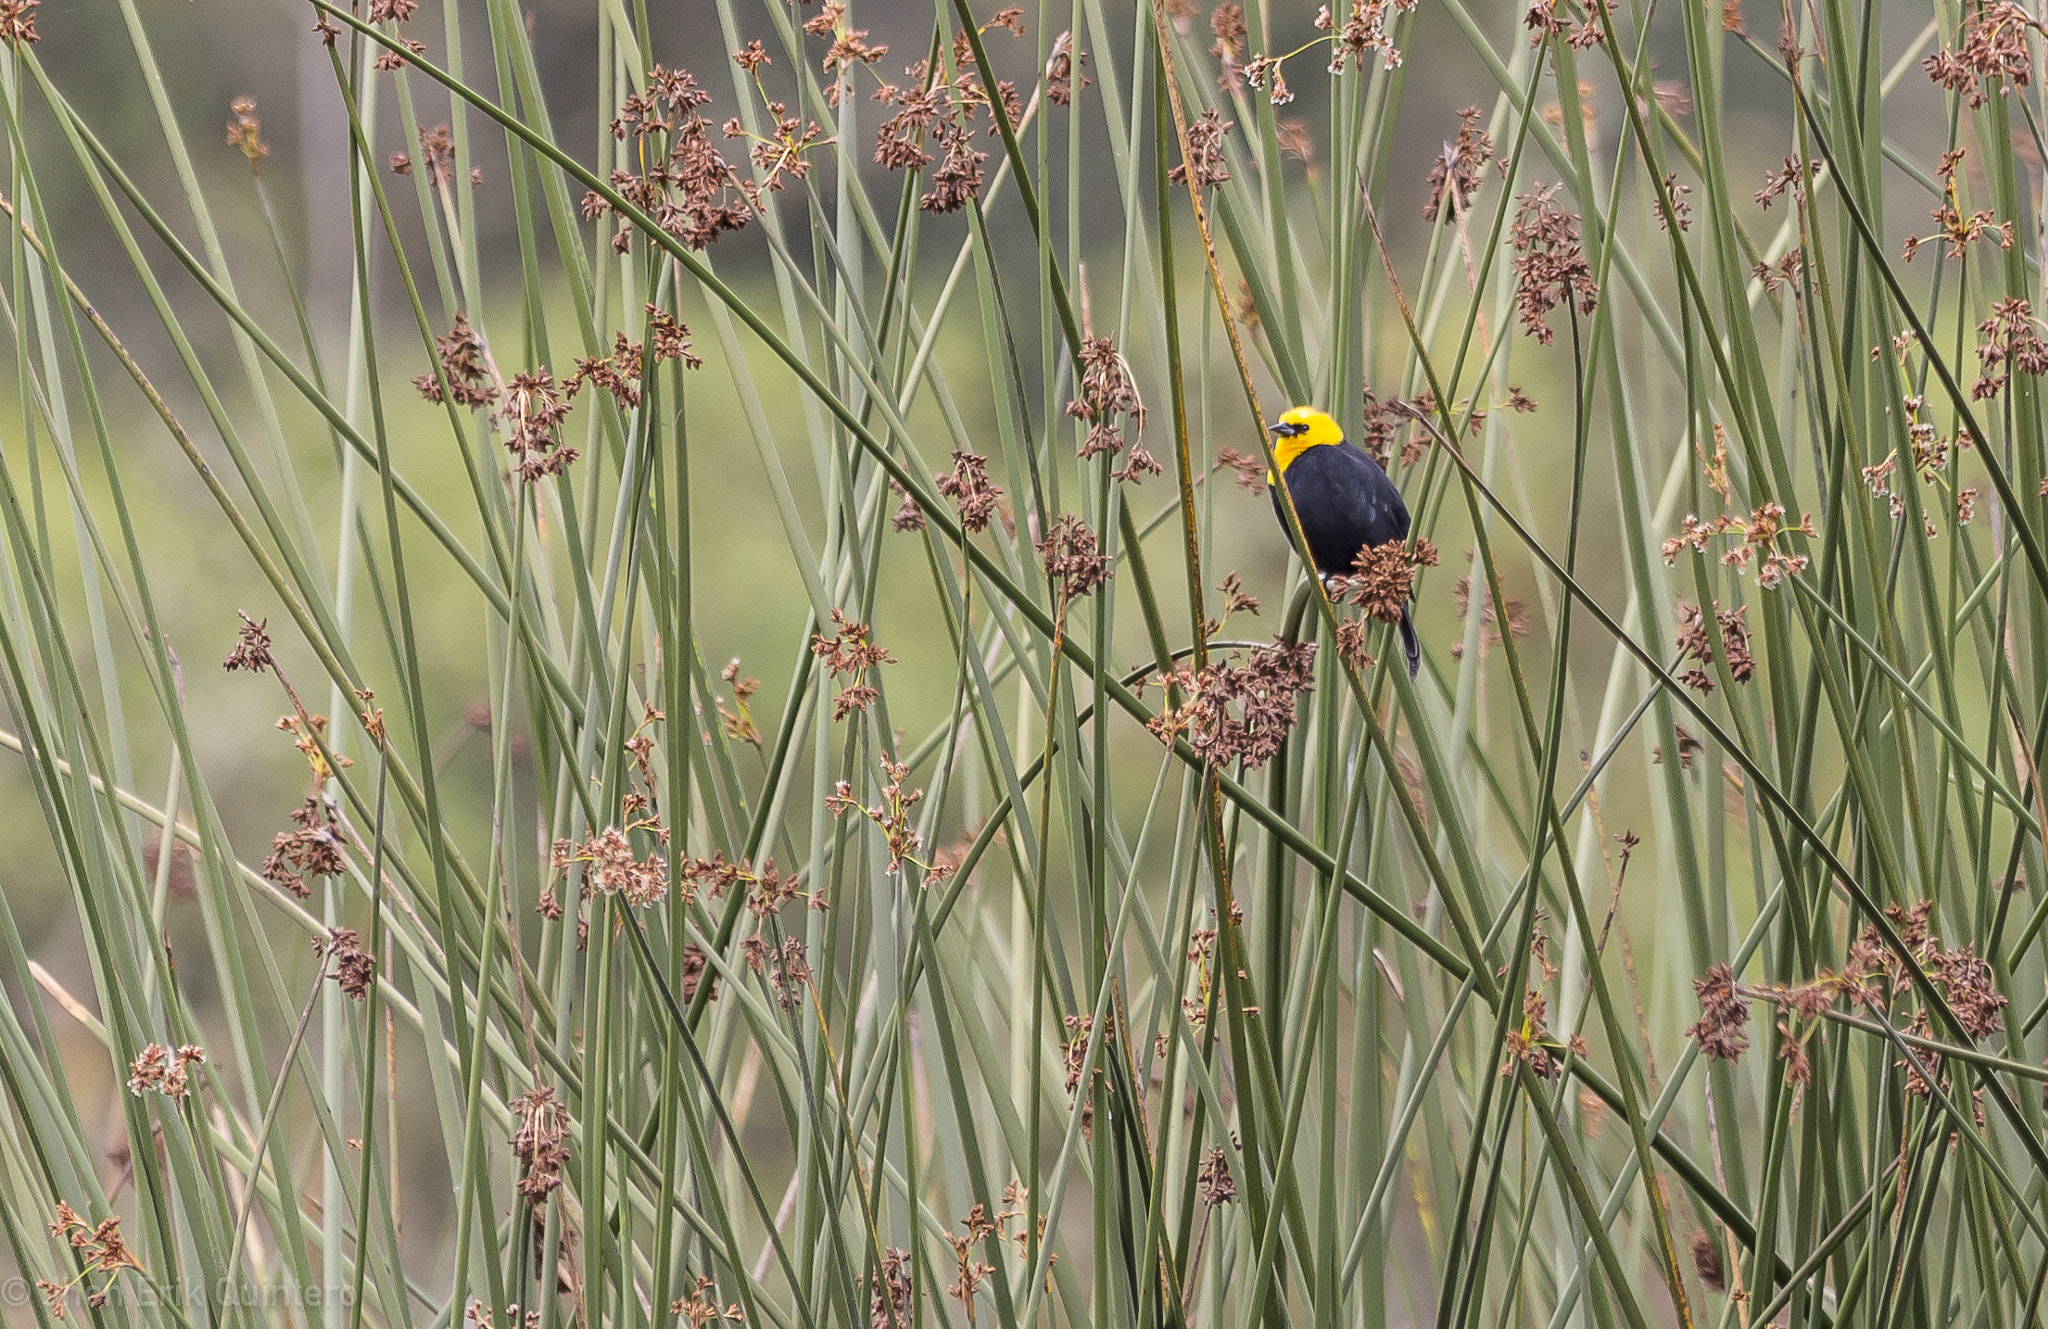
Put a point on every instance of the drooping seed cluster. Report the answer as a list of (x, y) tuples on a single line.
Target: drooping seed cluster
[(1873, 975), (1696, 645), (1382, 577), (1763, 539), (973, 495), (1991, 48), (1459, 170), (1239, 707), (1550, 262), (1106, 401), (851, 653), (159, 1070), (534, 403), (1073, 559), (1954, 229)]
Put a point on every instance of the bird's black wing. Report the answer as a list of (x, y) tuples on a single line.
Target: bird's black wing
[(1345, 502)]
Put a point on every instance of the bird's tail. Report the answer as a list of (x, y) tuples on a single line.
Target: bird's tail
[(1410, 644)]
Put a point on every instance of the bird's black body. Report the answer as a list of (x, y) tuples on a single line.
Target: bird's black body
[(1346, 502)]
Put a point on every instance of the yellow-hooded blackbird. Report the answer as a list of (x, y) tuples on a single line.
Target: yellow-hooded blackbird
[(1345, 501)]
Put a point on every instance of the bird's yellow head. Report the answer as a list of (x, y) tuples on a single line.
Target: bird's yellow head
[(1301, 428)]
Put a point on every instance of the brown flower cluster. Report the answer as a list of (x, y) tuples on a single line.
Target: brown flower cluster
[(1062, 67), (1353, 643), (534, 409), (1533, 1043), (1991, 46), (701, 1306), (437, 150), (849, 46), (1239, 707), (245, 133), (1967, 983), (968, 485), (2012, 341), (1547, 19), (1074, 1047), (694, 965), (461, 353), (1716, 466), (540, 1144), (766, 888), (163, 1071), (1955, 230), (100, 1249), (313, 850), (1364, 31), (1931, 451), (1205, 152), (934, 113), (1791, 177), (1382, 423), (850, 653), (1688, 748), (1216, 1184), (18, 22), (889, 1293), (353, 968), (1250, 472), (612, 867), (977, 1229), (1874, 973), (1760, 535), (787, 968), (909, 516), (1292, 136), (618, 373), (1681, 210), (892, 816), (380, 11), (1072, 559), (1931, 448), (1107, 391), (1382, 578), (252, 647), (1458, 171), (686, 186), (1724, 1010), (534, 403), (1784, 274), (390, 60), (1550, 262), (306, 731), (1694, 643), (1265, 72), (1236, 600), (1201, 951), (670, 338)]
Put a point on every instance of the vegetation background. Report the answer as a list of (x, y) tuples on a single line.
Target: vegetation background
[(1022, 927)]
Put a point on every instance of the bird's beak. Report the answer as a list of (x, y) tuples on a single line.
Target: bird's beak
[(1280, 427)]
